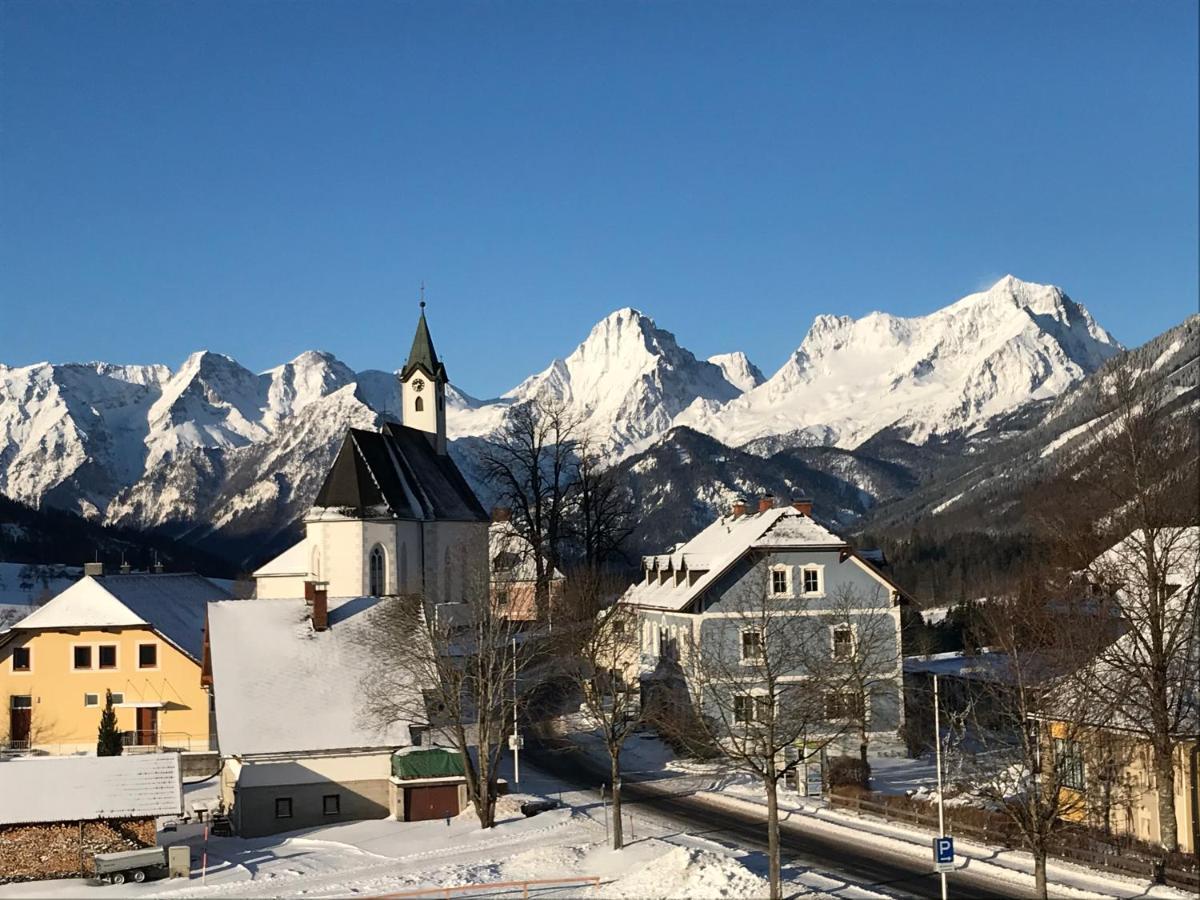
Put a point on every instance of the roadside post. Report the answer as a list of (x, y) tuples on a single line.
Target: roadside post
[(943, 846), (514, 742)]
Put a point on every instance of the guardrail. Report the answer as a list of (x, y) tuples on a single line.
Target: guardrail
[(1137, 866), (593, 880)]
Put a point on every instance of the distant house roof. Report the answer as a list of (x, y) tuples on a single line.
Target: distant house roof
[(711, 552), (511, 556), (173, 605), (82, 788), (396, 472), (283, 688)]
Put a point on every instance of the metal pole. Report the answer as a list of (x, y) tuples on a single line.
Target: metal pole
[(516, 731), (937, 745)]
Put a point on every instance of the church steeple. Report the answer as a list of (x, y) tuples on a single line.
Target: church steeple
[(423, 386)]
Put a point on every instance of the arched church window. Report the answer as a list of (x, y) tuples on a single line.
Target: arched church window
[(314, 565), (448, 569), (418, 404), (376, 572), (402, 587)]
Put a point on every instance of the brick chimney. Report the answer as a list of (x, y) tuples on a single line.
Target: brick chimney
[(316, 595), (766, 502), (739, 507), (501, 514), (802, 505)]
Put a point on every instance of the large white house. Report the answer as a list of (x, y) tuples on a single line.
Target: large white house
[(394, 515)]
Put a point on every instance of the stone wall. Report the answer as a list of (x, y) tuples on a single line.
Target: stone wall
[(53, 849)]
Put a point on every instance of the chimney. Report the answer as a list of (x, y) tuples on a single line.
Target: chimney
[(803, 505), (501, 514), (94, 569), (126, 568), (767, 502), (158, 568), (317, 597), (739, 507)]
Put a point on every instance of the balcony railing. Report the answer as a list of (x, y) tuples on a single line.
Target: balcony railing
[(162, 742)]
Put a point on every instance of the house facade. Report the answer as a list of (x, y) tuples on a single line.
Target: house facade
[(138, 635), (778, 560), (513, 573)]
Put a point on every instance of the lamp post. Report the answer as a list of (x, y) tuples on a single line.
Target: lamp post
[(937, 745)]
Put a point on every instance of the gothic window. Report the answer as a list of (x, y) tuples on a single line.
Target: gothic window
[(377, 580), (448, 567), (315, 563), (419, 404), (403, 586)]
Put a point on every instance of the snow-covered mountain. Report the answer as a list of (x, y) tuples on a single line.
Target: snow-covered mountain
[(950, 371), (212, 448)]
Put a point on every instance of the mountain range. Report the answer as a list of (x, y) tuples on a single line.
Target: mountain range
[(865, 411)]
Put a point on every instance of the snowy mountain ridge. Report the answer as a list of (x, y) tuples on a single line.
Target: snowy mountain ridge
[(214, 446)]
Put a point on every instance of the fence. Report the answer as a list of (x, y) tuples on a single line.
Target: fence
[(1003, 832), (494, 886)]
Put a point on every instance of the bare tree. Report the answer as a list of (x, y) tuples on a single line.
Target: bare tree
[(1030, 724), (530, 463), (600, 644), (762, 691), (455, 669), (1134, 491), (865, 657), (600, 514)]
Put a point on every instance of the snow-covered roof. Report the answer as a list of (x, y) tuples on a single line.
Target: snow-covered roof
[(711, 552), (511, 556), (292, 561), (283, 688), (74, 788), (173, 605)]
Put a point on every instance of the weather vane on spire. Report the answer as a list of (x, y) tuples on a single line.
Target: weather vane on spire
[(422, 294)]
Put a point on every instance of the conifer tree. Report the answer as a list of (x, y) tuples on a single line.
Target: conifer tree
[(108, 742)]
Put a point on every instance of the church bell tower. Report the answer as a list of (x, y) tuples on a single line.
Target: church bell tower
[(423, 388)]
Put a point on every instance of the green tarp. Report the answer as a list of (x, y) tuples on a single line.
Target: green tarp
[(432, 763)]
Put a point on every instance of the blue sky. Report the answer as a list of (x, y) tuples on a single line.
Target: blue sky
[(260, 178)]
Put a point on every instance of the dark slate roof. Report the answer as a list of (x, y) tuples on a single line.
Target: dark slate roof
[(397, 472), (422, 355)]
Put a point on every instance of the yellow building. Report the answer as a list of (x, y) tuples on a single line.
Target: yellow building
[(140, 636)]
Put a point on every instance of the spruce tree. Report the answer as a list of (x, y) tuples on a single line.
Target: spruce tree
[(108, 742)]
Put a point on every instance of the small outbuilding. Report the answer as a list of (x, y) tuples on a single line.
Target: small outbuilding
[(426, 783), (57, 812)]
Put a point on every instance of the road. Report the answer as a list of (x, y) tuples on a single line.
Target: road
[(864, 863)]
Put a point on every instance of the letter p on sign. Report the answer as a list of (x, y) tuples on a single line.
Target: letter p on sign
[(943, 853)]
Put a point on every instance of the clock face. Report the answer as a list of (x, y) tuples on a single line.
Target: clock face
[(419, 385)]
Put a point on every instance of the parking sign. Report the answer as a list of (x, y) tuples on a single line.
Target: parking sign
[(943, 853)]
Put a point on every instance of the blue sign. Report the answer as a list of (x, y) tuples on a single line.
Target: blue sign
[(943, 853)]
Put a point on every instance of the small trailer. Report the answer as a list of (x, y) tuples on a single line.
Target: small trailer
[(131, 865)]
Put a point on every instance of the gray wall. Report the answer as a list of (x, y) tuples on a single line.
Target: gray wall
[(254, 808)]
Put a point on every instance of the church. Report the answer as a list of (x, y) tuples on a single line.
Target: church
[(394, 515)]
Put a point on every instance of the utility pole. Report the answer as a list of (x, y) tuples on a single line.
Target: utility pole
[(937, 744), (516, 735)]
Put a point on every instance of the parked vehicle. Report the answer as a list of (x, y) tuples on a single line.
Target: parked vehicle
[(131, 865)]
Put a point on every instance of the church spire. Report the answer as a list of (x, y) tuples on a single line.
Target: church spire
[(422, 355), (423, 386)]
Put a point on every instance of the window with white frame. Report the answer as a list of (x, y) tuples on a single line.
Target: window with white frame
[(811, 580), (843, 642), (781, 581), (751, 708), (752, 645), (843, 705), (91, 699)]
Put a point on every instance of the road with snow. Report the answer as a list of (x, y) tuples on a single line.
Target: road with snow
[(862, 862)]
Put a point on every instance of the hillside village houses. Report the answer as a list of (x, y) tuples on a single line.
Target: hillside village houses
[(394, 517), (689, 597), (139, 635)]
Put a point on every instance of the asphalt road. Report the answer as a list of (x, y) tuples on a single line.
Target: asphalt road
[(868, 865)]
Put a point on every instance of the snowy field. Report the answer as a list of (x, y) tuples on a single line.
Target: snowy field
[(379, 857)]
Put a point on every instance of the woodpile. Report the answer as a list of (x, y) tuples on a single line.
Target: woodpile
[(65, 849)]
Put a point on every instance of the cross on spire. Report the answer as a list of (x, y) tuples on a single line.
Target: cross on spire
[(422, 293)]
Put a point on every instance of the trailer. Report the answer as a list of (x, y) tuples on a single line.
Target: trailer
[(131, 865)]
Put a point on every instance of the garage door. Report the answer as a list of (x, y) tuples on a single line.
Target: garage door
[(437, 801)]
